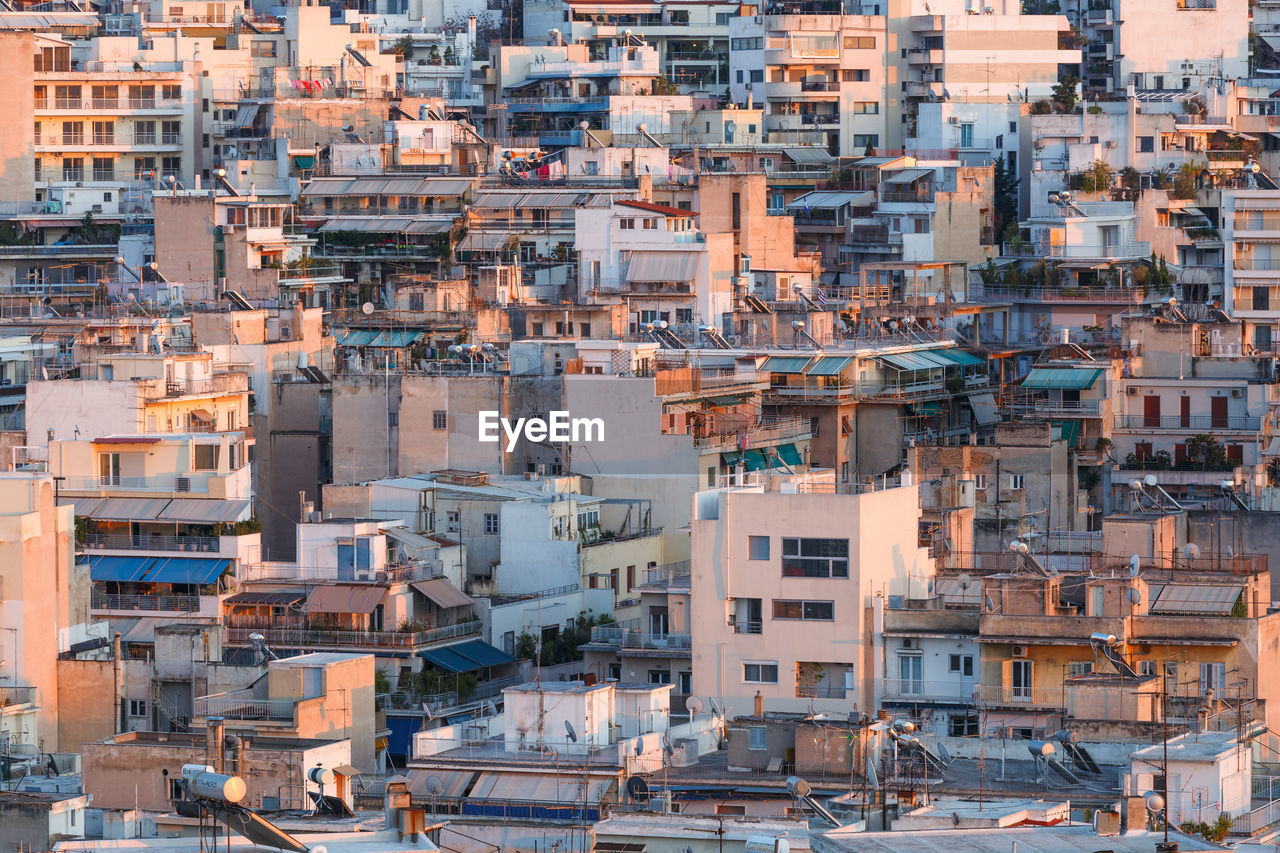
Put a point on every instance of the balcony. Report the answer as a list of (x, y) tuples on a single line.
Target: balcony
[(1038, 698), (1133, 250), (243, 705), (230, 382), (1197, 5), (295, 638), (919, 690), (924, 89), (1108, 295), (11, 697), (149, 603), (820, 691), (1059, 408), (162, 483), (747, 626), (630, 638), (783, 429), (143, 542), (1190, 423), (924, 56), (108, 105)]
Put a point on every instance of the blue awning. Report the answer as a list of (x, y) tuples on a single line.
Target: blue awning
[(122, 569), (191, 570), (789, 454), (445, 659), (959, 357), (482, 653)]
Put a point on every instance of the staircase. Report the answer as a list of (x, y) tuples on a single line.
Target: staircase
[(161, 701)]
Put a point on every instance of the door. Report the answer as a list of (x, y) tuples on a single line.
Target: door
[(1151, 411), (1184, 412), (1218, 412), (1020, 681), (911, 674), (109, 469), (1097, 595), (658, 624), (755, 615), (346, 562)]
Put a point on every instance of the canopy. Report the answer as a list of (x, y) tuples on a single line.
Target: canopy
[(466, 657), (813, 155), (662, 266), (831, 365), (907, 176), (344, 598), (485, 241), (785, 364), (443, 593), (196, 511), (246, 114), (959, 357), (431, 187), (831, 200), (129, 509), (1061, 377), (913, 361), (250, 598), (389, 224), (176, 570), (789, 454), (984, 408), (1069, 431)]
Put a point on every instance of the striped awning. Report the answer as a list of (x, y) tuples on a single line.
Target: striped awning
[(662, 266)]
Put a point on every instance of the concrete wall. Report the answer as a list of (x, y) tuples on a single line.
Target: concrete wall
[(184, 242), (86, 695), (17, 105)]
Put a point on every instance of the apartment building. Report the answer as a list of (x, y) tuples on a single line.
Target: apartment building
[(691, 40), (43, 605), (792, 564), (820, 78), (1169, 45), (1251, 283)]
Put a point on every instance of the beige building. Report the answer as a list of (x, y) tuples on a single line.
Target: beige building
[(43, 609), (17, 104), (785, 575)]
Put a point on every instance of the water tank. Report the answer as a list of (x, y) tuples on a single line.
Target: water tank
[(218, 786)]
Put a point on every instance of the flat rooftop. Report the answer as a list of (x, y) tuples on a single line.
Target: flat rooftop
[(1029, 839), (386, 841)]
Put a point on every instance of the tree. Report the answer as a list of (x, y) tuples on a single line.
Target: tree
[(1097, 178), (1006, 194), (1186, 181), (1205, 453), (1065, 93), (663, 86)]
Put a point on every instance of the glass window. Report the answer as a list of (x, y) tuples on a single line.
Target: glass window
[(439, 419), (757, 737), (760, 673), (491, 523), (758, 547), (807, 610), (815, 558)]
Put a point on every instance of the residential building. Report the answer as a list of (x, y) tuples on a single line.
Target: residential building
[(791, 565)]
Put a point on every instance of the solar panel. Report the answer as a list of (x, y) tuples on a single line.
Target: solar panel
[(254, 828)]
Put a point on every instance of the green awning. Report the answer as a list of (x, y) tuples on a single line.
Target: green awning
[(304, 161), (753, 460), (1061, 377), (960, 357), (729, 460), (784, 364), (911, 361), (829, 366), (725, 400), (789, 454), (1068, 431)]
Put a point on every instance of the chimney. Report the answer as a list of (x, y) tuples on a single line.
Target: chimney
[(118, 669), (759, 706), (213, 743)]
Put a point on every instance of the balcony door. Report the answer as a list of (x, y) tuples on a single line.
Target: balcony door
[(911, 674), (108, 469)]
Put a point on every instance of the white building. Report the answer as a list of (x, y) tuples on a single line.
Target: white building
[(1208, 774)]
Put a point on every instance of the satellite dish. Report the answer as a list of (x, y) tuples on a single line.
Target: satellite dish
[(798, 787), (666, 745), (1135, 596), (991, 605), (715, 706), (693, 705), (639, 746), (1135, 566), (964, 580), (434, 786), (1151, 480), (1155, 802), (568, 728), (638, 789), (871, 774), (1192, 550), (943, 754), (366, 308)]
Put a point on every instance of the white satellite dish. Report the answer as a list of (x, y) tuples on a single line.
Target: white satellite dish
[(1135, 566), (693, 705), (434, 786), (366, 308), (1192, 550), (1151, 480), (1135, 596), (964, 580)]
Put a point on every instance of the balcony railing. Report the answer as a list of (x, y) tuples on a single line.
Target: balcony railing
[(1078, 408), (17, 696), (237, 705), (747, 626), (1107, 250), (302, 637), (1021, 697), (820, 691), (783, 428), (919, 690), (628, 638), (169, 483), (1199, 423), (144, 542), (174, 603)]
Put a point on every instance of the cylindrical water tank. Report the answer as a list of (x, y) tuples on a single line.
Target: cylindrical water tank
[(218, 786)]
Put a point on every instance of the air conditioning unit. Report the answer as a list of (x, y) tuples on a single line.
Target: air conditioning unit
[(954, 119), (910, 643), (1019, 651), (1235, 392), (1131, 391), (182, 484)]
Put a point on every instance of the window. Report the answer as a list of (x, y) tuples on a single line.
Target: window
[(171, 92), (627, 224), (754, 43), (757, 75), (760, 673), (1016, 481), (73, 133), (811, 611), (979, 481), (104, 169), (137, 707), (859, 43), (650, 224), (171, 166), (104, 133), (72, 168), (963, 724), (757, 738), (1079, 667), (962, 664), (1146, 144), (440, 419), (1148, 667), (262, 48), (815, 558), (451, 521), (659, 676), (171, 132), (491, 523), (1213, 676), (862, 140), (615, 671), (855, 75), (206, 457), (144, 133), (757, 547), (867, 107)]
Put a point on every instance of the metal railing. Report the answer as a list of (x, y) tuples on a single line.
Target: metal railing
[(1106, 250), (782, 428), (241, 705), (747, 626), (820, 691), (144, 542), (919, 690), (1257, 819), (1083, 408), (301, 637), (175, 603), (629, 638), (1020, 697), (1190, 422), (172, 483)]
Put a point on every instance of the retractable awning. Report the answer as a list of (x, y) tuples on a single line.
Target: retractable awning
[(485, 241), (789, 453), (344, 598), (197, 511), (1195, 598), (959, 356), (785, 364), (829, 366), (173, 570), (121, 569), (443, 593), (662, 266), (246, 114), (1061, 377), (129, 509), (984, 408), (913, 361)]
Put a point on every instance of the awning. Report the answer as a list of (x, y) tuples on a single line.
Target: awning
[(539, 788), (753, 460), (443, 593), (129, 509), (485, 241), (984, 408), (197, 511), (814, 155), (482, 653), (825, 200), (913, 361), (725, 400), (186, 570), (959, 356), (1191, 598), (662, 266), (246, 114), (357, 338), (388, 224), (1061, 377), (1068, 431), (789, 454), (344, 598), (441, 187), (730, 460), (445, 659), (831, 365), (785, 364), (252, 598), (907, 176), (454, 782), (122, 569)]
